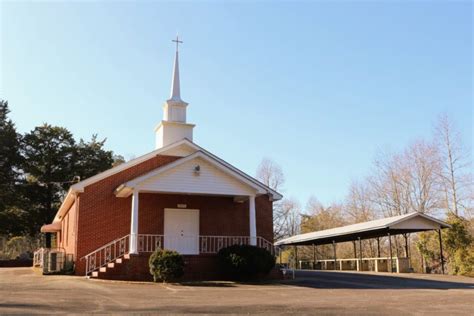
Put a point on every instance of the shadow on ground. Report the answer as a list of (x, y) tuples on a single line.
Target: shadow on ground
[(207, 284), (347, 280)]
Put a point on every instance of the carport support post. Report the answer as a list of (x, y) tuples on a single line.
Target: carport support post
[(279, 252), (296, 257), (406, 245), (378, 247), (441, 250), (390, 246), (314, 257), (360, 254), (335, 259)]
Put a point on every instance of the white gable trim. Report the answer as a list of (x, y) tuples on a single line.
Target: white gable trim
[(125, 189), (171, 149), (275, 196), (79, 187), (422, 215)]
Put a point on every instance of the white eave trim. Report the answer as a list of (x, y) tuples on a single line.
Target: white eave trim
[(79, 187), (416, 214), (126, 189), (65, 206), (274, 195)]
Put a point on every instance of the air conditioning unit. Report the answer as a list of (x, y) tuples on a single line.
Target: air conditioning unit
[(55, 261)]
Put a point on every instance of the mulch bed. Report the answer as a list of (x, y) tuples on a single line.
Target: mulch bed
[(15, 263)]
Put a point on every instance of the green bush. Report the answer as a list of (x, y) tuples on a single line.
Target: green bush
[(244, 262), (459, 244), (166, 265)]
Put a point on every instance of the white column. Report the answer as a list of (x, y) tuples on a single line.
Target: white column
[(134, 224), (252, 221)]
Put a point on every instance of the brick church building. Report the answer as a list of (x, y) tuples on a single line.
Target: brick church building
[(179, 196)]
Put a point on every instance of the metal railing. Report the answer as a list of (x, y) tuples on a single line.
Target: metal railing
[(38, 257), (265, 244), (50, 260), (149, 243), (107, 253), (212, 244)]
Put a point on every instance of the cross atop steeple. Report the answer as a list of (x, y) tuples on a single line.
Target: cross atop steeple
[(177, 41)]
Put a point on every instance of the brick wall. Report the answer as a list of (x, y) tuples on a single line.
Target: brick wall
[(104, 217)]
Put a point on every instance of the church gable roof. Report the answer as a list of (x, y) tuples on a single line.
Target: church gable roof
[(182, 148), (197, 174)]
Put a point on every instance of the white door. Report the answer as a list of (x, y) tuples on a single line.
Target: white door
[(182, 231)]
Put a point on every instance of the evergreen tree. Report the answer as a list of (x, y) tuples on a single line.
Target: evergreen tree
[(91, 158), (53, 161), (48, 166), (10, 214)]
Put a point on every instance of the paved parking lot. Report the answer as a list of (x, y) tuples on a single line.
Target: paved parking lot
[(24, 292)]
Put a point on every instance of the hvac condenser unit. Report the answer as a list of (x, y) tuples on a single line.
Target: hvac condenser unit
[(55, 261)]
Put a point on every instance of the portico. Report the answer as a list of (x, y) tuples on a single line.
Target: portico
[(188, 232), (199, 175)]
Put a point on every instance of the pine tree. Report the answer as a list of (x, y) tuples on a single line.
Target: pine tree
[(10, 214)]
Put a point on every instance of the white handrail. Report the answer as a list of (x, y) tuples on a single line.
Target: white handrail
[(150, 242), (107, 253), (38, 257)]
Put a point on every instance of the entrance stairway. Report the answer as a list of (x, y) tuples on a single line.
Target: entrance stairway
[(110, 267), (114, 261)]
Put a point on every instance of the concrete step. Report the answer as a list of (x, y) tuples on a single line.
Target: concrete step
[(127, 256), (110, 265), (95, 274), (103, 269), (119, 260)]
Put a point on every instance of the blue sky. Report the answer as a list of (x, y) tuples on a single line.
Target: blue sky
[(319, 87)]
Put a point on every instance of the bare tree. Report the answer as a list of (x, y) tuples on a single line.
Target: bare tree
[(286, 213), (288, 218), (423, 165), (406, 182), (358, 205), (390, 185), (455, 178), (270, 174)]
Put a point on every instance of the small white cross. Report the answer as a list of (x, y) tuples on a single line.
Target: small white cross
[(177, 41)]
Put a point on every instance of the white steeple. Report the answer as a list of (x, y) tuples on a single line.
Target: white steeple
[(175, 89), (173, 127)]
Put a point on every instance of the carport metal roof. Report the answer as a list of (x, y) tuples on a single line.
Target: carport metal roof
[(396, 225)]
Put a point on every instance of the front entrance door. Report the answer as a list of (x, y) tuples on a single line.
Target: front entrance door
[(182, 231)]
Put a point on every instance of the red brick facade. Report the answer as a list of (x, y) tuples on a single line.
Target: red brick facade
[(103, 217)]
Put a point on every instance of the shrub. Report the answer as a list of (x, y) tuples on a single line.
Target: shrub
[(166, 265), (244, 262)]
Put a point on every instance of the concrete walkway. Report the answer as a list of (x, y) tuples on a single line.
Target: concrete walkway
[(330, 293)]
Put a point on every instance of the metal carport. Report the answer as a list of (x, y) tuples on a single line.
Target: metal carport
[(385, 227)]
